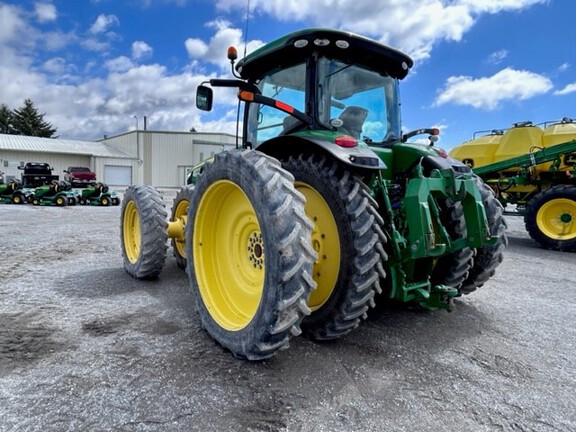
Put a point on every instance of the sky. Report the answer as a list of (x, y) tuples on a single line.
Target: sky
[(98, 67)]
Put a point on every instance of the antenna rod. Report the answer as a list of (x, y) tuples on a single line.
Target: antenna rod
[(246, 31)]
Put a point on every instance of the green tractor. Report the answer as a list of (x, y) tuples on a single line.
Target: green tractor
[(57, 193), (324, 209), (98, 194), (13, 193)]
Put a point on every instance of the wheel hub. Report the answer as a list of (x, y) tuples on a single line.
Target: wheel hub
[(256, 250)]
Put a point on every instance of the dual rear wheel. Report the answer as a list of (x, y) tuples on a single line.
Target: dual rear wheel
[(269, 249)]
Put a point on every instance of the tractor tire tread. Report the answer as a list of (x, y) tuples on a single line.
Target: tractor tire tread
[(344, 311), (487, 259), (281, 208), (153, 225)]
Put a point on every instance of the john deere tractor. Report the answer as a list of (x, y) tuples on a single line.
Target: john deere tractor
[(532, 170), (324, 208)]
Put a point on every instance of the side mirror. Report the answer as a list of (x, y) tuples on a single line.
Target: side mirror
[(204, 98)]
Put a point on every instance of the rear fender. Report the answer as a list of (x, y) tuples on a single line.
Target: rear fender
[(357, 157)]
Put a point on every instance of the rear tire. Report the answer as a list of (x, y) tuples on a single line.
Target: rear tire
[(249, 254), (143, 232), (487, 259), (454, 268), (346, 237), (180, 212), (551, 218)]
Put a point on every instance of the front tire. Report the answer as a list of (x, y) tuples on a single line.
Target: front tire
[(551, 218), (143, 232), (249, 258), (346, 238)]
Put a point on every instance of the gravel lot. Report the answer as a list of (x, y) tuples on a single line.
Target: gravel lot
[(84, 347)]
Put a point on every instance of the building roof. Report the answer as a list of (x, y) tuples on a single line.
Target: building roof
[(65, 146)]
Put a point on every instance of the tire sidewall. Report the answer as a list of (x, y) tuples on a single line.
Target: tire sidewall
[(238, 338)]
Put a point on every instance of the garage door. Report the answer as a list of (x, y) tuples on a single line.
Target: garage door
[(118, 175)]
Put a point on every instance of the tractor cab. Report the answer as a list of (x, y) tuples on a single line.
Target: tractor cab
[(324, 86)]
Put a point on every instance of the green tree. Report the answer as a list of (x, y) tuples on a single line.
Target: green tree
[(28, 121), (6, 120)]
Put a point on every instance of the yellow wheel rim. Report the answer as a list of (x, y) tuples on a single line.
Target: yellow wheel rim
[(229, 255), (131, 232), (556, 219), (180, 214), (326, 243)]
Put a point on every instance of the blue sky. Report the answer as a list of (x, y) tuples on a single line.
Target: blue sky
[(93, 66)]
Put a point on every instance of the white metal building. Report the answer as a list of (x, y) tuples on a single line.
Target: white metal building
[(162, 159)]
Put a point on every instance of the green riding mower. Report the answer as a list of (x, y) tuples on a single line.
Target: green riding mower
[(98, 194), (58, 193), (324, 209), (13, 193)]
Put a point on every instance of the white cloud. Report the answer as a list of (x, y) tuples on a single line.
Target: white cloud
[(495, 6), (95, 45), (119, 64), (103, 23), (570, 88), (411, 25), (564, 67), (56, 65), (196, 48), (141, 50), (497, 56), (487, 93), (45, 12), (215, 50), (13, 28)]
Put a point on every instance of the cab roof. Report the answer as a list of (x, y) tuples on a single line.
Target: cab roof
[(345, 46)]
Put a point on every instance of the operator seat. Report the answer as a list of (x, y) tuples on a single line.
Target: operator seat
[(353, 118)]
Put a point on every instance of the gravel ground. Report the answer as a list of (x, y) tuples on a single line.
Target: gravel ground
[(84, 347)]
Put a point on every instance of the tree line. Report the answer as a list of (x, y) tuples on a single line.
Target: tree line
[(25, 120)]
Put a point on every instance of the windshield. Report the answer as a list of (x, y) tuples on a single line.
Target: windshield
[(350, 99), (364, 101), (286, 85)]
